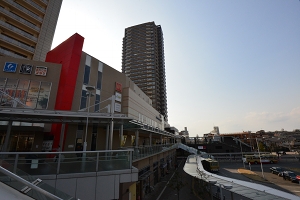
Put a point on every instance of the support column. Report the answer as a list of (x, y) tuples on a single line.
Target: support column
[(161, 140), (61, 139), (150, 139), (7, 136), (111, 134), (136, 138), (121, 135), (107, 137)]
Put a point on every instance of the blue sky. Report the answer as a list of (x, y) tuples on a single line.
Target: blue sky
[(229, 63)]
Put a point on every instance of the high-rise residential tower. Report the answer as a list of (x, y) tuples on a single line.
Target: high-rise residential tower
[(27, 27), (143, 61)]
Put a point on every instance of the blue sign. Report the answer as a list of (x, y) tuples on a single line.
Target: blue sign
[(10, 67)]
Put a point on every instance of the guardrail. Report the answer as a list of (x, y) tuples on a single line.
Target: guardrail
[(36, 163)]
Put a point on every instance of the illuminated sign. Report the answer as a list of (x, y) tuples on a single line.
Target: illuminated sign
[(10, 67), (40, 71), (25, 69), (118, 87)]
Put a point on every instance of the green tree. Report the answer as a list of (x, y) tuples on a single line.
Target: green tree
[(176, 183)]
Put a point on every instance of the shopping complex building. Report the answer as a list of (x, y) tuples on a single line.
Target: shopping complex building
[(75, 103)]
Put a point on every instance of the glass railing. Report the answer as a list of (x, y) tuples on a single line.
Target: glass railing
[(39, 163), (28, 185)]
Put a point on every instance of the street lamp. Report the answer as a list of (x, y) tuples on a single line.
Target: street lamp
[(89, 95), (235, 139), (262, 170)]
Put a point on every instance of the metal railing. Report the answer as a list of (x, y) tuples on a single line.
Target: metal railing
[(33, 191), (141, 152), (39, 163), (25, 10), (15, 42), (15, 29), (35, 5), (9, 53), (10, 14)]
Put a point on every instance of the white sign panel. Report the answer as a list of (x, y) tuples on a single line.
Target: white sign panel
[(118, 96), (117, 107)]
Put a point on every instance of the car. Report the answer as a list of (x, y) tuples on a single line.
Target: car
[(281, 152), (291, 176), (276, 170)]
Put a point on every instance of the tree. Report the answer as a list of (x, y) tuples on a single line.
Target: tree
[(176, 183)]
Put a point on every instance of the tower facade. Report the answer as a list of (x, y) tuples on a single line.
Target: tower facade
[(27, 27), (143, 61)]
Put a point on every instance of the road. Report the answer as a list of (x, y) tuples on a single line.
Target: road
[(274, 181)]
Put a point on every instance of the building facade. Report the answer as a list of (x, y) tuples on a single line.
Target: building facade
[(27, 27), (106, 111), (144, 63)]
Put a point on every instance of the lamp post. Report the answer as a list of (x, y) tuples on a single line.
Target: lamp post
[(235, 139), (89, 95), (262, 170)]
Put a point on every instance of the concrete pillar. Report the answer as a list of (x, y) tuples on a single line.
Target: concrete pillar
[(107, 137), (61, 139), (121, 135), (7, 136), (136, 138), (111, 134), (150, 139)]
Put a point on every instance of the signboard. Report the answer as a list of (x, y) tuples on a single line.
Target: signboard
[(201, 147), (117, 107), (10, 67), (118, 87), (40, 71), (118, 97), (25, 69)]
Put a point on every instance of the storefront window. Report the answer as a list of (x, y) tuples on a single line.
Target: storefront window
[(22, 91), (10, 91), (33, 94), (44, 95)]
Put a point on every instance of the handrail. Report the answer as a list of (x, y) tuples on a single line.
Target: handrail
[(63, 152), (32, 186)]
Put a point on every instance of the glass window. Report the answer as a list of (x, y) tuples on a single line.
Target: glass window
[(2, 86), (83, 99), (22, 91), (33, 94), (44, 95), (10, 91), (97, 103), (99, 80), (86, 77)]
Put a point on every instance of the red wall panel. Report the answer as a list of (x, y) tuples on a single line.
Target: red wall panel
[(68, 54)]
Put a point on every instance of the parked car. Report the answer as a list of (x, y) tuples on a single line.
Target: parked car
[(281, 152), (291, 176), (276, 170)]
